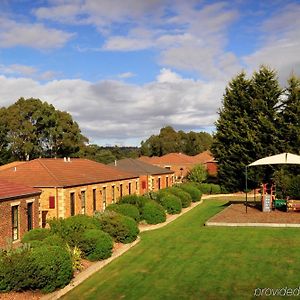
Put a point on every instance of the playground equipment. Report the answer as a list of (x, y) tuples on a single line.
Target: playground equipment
[(268, 198), (283, 158), (293, 205)]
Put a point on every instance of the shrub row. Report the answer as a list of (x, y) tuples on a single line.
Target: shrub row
[(45, 267)]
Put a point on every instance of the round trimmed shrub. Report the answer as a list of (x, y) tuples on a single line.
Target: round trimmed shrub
[(52, 267), (96, 244), (210, 188), (36, 234), (121, 228), (15, 269), (185, 197), (72, 228), (126, 209), (138, 201), (171, 203), (192, 190), (153, 213)]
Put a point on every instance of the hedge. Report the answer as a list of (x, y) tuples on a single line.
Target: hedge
[(171, 203), (72, 228), (126, 209), (138, 201), (36, 234), (121, 228), (96, 244), (192, 190), (185, 197), (153, 213), (46, 268)]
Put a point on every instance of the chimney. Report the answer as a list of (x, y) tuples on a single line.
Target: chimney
[(115, 162), (65, 159), (69, 159), (15, 169)]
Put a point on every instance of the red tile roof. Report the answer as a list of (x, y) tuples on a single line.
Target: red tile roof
[(204, 157), (139, 167), (170, 158), (11, 165), (14, 190), (50, 172)]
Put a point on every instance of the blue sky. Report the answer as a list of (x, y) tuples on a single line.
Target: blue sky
[(124, 69)]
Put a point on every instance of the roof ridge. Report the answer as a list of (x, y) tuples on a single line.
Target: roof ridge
[(48, 170), (140, 164)]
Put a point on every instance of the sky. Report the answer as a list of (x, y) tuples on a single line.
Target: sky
[(125, 69)]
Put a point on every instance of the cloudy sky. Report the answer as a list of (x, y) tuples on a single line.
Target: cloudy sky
[(124, 69)]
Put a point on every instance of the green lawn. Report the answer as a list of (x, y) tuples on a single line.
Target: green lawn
[(186, 260)]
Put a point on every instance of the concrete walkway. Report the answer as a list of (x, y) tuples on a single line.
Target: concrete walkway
[(124, 248)]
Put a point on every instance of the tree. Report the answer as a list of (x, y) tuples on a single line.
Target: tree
[(197, 174), (35, 128), (290, 117), (169, 141)]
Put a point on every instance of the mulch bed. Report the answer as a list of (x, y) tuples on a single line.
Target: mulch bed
[(236, 213)]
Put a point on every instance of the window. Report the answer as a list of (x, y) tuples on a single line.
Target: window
[(143, 184), (129, 188), (113, 194), (15, 222), (94, 200), (136, 186), (83, 202), (167, 181), (29, 215), (159, 182), (51, 202), (104, 198), (152, 183), (44, 218), (72, 204), (121, 190)]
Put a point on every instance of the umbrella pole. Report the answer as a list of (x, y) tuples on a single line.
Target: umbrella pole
[(246, 191)]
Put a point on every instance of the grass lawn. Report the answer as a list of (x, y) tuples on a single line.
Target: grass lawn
[(186, 260)]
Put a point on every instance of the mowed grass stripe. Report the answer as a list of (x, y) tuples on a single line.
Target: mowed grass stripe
[(186, 260)]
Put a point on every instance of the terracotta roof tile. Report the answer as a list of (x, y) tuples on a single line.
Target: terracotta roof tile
[(139, 167), (14, 190), (50, 172), (204, 157), (11, 165), (171, 158)]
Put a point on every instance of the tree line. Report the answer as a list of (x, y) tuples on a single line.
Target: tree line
[(31, 128), (258, 118), (169, 140)]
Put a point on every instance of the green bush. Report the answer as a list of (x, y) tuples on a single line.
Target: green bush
[(185, 197), (72, 228), (15, 269), (126, 209), (210, 188), (293, 189), (36, 234), (138, 201), (192, 190), (121, 228), (46, 268), (52, 267), (153, 213), (171, 203), (96, 244)]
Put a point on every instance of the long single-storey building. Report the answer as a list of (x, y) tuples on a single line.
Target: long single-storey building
[(152, 178), (19, 211), (72, 186)]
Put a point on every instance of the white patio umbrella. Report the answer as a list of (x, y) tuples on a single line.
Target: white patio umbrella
[(283, 158)]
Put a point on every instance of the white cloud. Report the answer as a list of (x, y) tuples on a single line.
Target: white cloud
[(280, 46), (116, 111), (18, 70), (126, 75), (36, 36)]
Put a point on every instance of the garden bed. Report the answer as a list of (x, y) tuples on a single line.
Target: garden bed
[(235, 215)]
